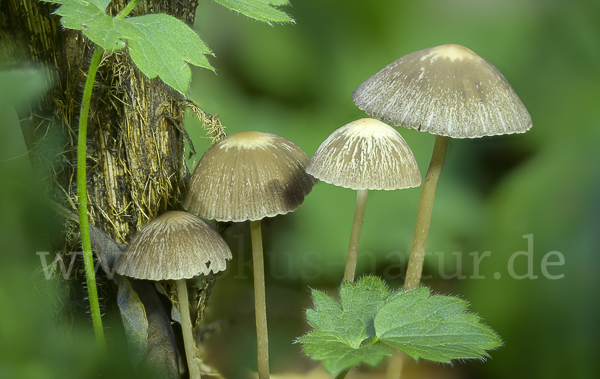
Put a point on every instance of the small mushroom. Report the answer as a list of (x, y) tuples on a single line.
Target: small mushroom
[(250, 176), (364, 155), (448, 91), (176, 246)]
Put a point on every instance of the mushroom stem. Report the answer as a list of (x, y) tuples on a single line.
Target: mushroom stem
[(396, 362), (357, 223), (260, 302), (417, 253), (186, 327)]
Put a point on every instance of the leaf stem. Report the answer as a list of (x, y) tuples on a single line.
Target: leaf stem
[(128, 8), (260, 302), (88, 258), (342, 374), (372, 342), (417, 254), (357, 223)]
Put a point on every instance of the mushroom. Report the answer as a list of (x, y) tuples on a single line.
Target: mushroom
[(364, 155), (176, 246), (250, 176), (448, 91)]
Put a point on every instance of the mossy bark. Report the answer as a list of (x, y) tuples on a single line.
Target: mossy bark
[(135, 151), (136, 161)]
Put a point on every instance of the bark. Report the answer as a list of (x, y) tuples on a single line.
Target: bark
[(136, 161)]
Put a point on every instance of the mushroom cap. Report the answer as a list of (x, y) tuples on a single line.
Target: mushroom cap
[(446, 90), (249, 176), (365, 154), (176, 245)]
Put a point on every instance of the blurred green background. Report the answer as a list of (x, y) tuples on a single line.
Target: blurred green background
[(296, 81)]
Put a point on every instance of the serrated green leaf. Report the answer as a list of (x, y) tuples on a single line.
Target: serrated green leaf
[(360, 302), (159, 44), (343, 331), (369, 320), (100, 4), (354, 319), (91, 18), (433, 327), (261, 10), (337, 355)]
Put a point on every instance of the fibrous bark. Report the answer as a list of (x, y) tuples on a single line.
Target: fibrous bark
[(135, 151)]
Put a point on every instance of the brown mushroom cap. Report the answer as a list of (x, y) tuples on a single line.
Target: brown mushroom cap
[(249, 176), (365, 154), (446, 90), (176, 245)]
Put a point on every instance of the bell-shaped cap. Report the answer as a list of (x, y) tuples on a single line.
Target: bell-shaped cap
[(176, 245), (365, 154), (249, 176), (446, 90)]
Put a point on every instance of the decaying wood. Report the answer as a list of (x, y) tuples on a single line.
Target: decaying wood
[(136, 163), (135, 148)]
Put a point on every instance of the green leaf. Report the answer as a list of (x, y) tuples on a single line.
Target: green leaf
[(433, 327), (159, 44), (337, 355), (92, 19), (341, 333), (369, 320), (261, 10)]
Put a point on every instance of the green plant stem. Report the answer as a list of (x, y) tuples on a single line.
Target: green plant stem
[(417, 253), (125, 11), (357, 223), (88, 258), (186, 327), (260, 302), (342, 374)]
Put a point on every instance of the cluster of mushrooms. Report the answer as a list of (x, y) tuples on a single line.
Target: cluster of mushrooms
[(447, 90)]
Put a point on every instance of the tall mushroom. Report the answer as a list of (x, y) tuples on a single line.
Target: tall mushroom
[(448, 91), (364, 155), (250, 176), (176, 246)]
